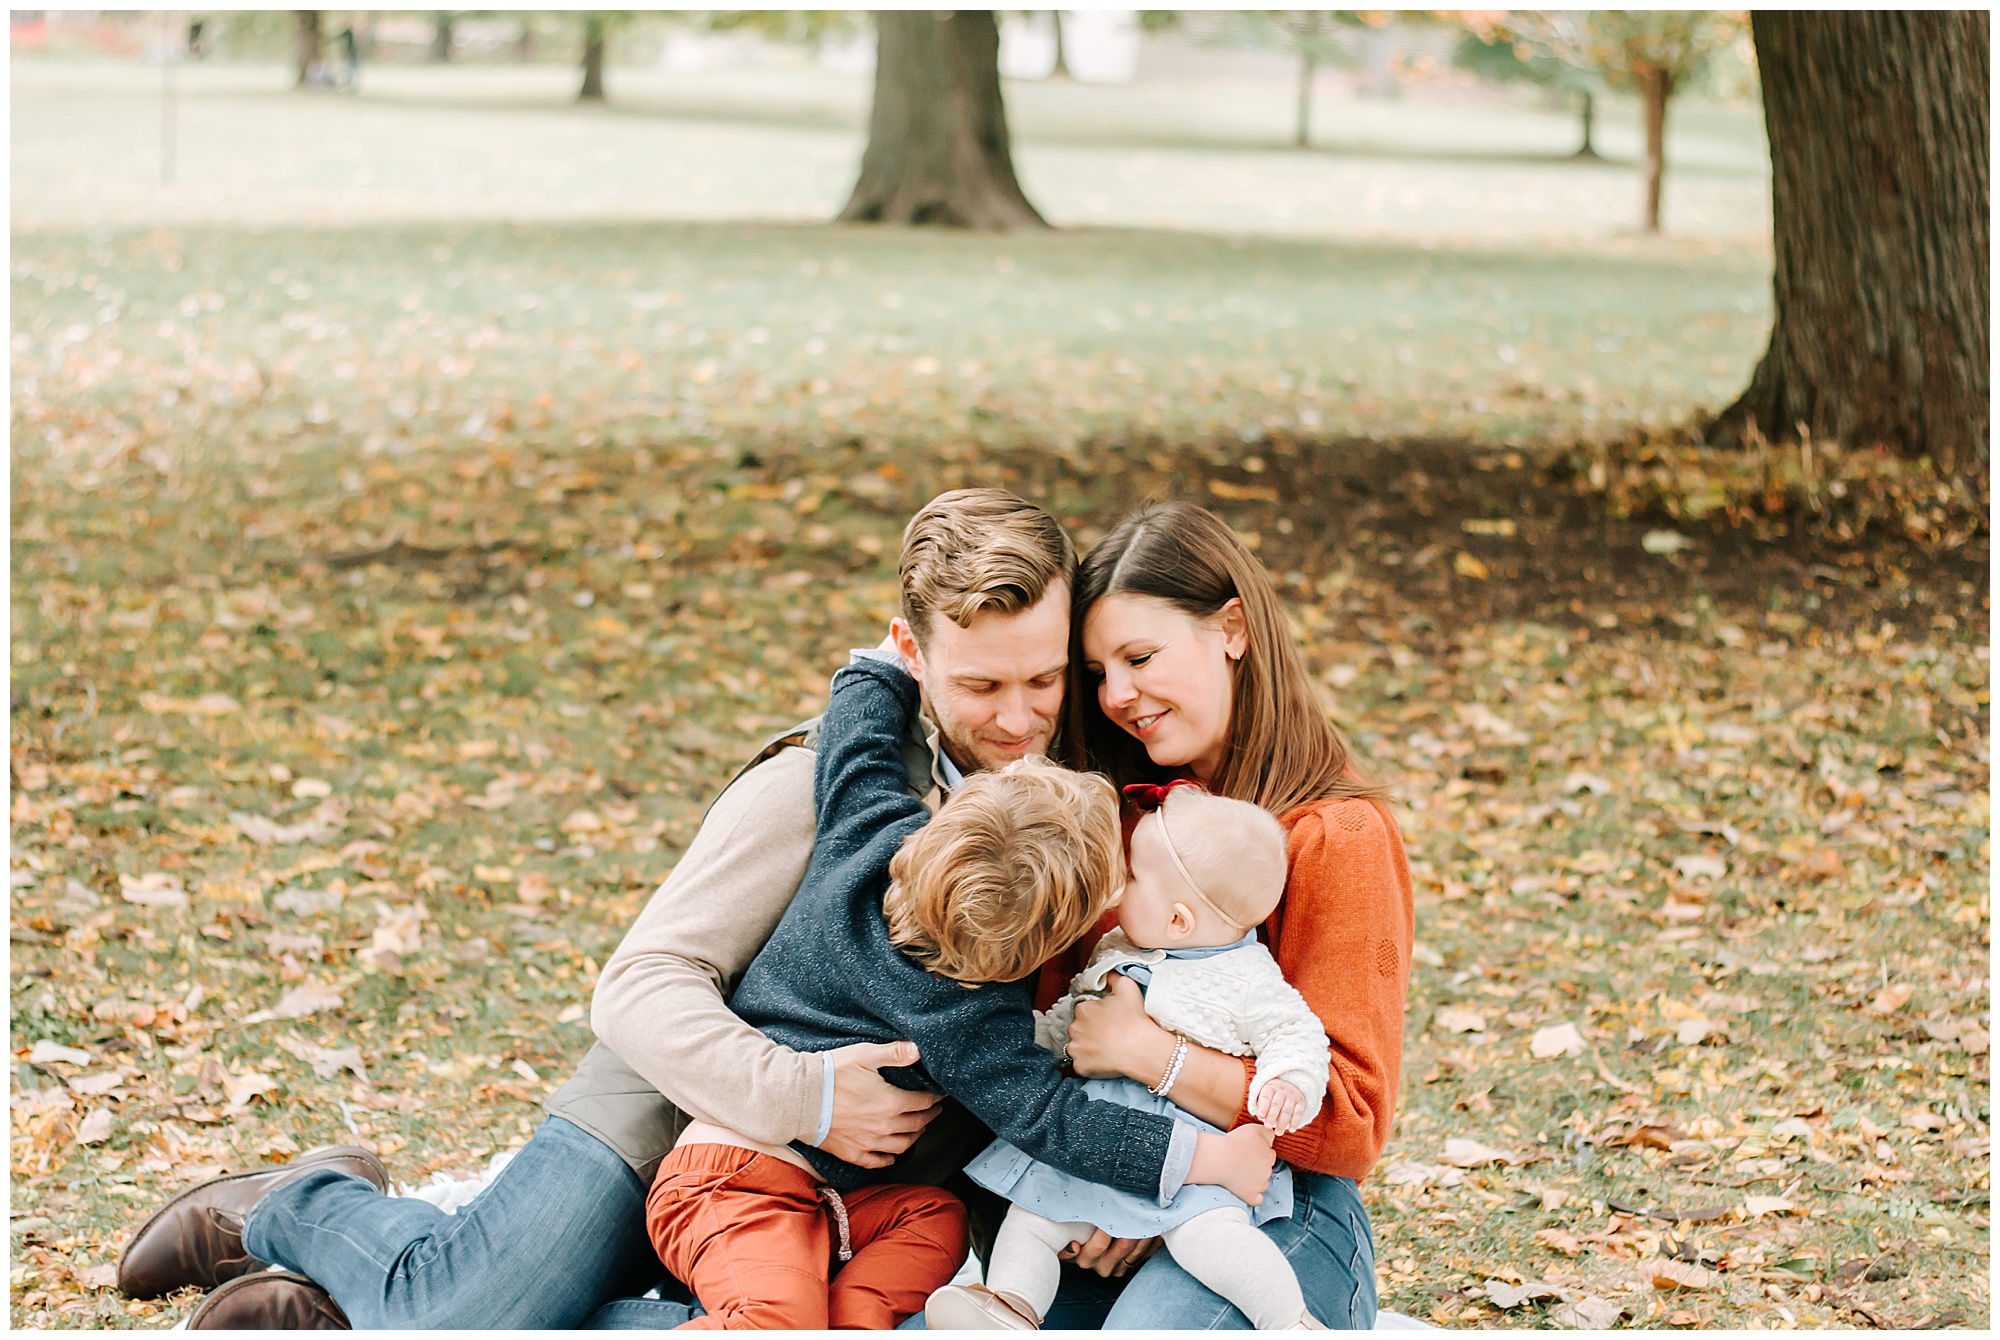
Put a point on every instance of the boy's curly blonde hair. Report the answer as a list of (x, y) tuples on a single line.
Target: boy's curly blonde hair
[(1017, 865)]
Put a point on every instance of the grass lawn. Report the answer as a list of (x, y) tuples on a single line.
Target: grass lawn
[(389, 601)]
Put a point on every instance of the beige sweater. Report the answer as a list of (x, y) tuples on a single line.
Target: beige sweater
[(661, 1001)]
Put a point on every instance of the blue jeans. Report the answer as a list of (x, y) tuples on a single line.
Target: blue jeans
[(557, 1242), (1327, 1239)]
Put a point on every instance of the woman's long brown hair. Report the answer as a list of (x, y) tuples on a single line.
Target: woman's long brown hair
[(1283, 752)]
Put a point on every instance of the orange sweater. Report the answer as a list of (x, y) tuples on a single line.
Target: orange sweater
[(1342, 934)]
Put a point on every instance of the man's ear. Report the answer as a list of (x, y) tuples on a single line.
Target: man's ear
[(1235, 628), (906, 646)]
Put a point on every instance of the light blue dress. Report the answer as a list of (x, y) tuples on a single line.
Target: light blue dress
[(1065, 1198)]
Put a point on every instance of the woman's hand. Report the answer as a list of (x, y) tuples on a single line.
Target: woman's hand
[(1281, 1106), (1239, 1162), (1115, 1038)]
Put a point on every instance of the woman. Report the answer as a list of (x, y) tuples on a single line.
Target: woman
[(1183, 666)]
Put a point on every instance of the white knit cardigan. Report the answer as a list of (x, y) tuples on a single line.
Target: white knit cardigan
[(1238, 1003)]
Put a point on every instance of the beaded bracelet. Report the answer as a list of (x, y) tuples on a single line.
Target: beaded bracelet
[(1173, 1068)]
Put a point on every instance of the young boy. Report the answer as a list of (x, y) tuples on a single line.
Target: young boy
[(911, 928)]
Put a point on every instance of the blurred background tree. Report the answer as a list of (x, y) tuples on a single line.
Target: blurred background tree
[(597, 26), (444, 24), (1508, 51), (1880, 196), (938, 150), (307, 40), (1655, 53)]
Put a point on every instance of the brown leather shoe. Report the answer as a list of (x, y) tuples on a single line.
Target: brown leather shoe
[(270, 1300), (197, 1237)]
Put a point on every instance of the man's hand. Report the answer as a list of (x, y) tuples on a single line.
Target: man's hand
[(1109, 1256), (1114, 1037), (1281, 1106), (873, 1120)]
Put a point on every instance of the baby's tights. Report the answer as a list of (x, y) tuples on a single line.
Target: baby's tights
[(1221, 1248)]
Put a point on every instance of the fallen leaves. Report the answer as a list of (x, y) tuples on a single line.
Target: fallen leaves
[(1556, 1040), (1757, 1206), (326, 1062), (1891, 998), (1664, 1273), (307, 902), (297, 1003), (206, 705), (327, 818), (153, 889), (1559, 1240), (1454, 1019), (1667, 753), (1463, 1153), (1589, 1313), (97, 1277)]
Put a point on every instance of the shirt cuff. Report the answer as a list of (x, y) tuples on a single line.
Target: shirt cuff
[(1180, 1161), (1243, 1117), (825, 1099)]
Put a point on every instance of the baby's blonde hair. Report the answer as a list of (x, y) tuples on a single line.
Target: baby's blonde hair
[(1233, 851), (1014, 869)]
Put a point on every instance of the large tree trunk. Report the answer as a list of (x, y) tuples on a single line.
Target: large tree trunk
[(1878, 129), (1656, 85), (937, 137), (441, 35), (593, 59), (306, 44)]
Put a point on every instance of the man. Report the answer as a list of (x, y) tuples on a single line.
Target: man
[(558, 1240)]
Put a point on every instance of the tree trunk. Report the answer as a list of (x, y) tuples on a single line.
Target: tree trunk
[(1307, 66), (306, 49), (1589, 149), (1878, 125), (440, 52), (1061, 70), (593, 59), (1655, 87), (937, 136)]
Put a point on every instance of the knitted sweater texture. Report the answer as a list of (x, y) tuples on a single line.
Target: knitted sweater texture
[(829, 977), (1342, 933)]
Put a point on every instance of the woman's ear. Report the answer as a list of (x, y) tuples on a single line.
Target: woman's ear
[(1235, 628)]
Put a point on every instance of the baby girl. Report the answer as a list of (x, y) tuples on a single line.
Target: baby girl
[(1205, 871)]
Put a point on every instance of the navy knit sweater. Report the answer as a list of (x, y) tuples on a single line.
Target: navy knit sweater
[(828, 975)]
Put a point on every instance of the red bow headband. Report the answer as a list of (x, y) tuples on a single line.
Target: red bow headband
[(1146, 797)]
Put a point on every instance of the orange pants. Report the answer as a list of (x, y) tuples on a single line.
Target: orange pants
[(758, 1244)]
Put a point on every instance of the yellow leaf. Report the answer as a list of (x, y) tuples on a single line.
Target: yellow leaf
[(1242, 492), (1465, 565), (1891, 998)]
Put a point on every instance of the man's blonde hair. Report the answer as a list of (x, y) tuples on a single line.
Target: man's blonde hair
[(971, 551), (1014, 869)]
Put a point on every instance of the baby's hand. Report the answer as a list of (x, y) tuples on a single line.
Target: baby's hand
[(1281, 1106)]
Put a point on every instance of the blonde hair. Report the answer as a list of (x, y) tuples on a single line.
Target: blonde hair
[(971, 551), (1017, 865), (1283, 752), (1231, 851)]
